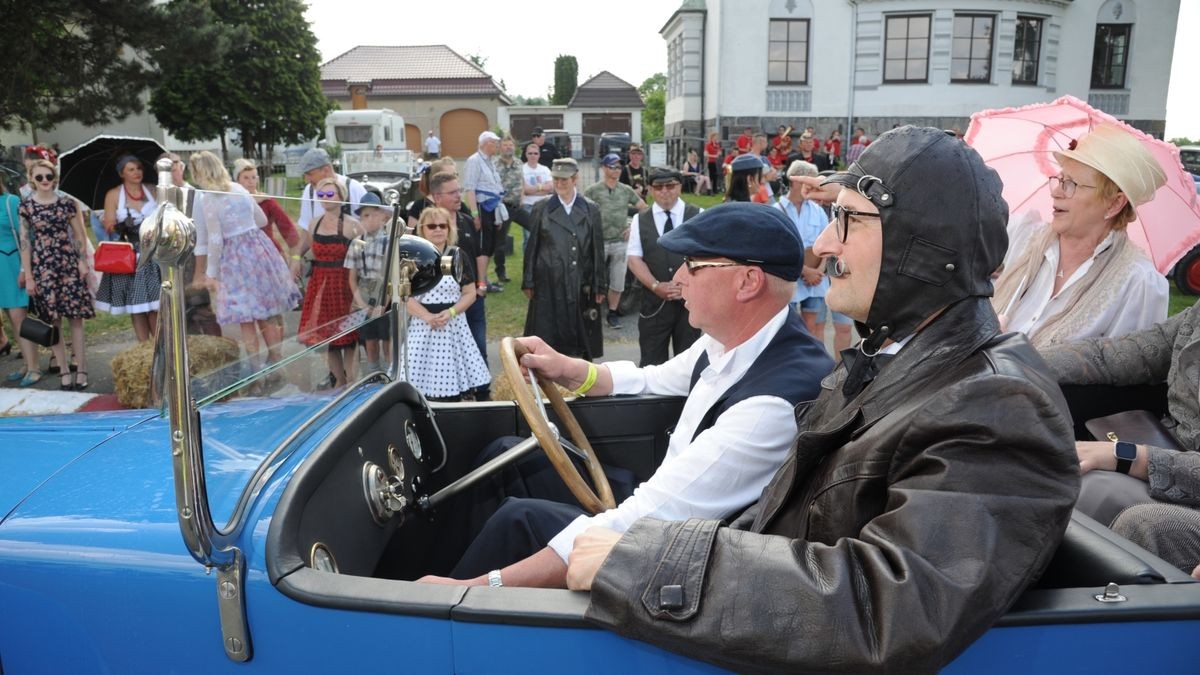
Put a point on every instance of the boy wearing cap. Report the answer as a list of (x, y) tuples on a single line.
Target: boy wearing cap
[(634, 174), (910, 513), (617, 201), (365, 260)]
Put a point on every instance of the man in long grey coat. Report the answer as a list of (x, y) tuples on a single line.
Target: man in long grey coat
[(565, 276)]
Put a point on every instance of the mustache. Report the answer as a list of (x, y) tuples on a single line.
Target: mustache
[(835, 267)]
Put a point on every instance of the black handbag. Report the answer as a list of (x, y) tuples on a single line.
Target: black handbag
[(39, 332)]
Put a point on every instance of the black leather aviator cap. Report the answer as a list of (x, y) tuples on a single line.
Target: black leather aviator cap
[(944, 226)]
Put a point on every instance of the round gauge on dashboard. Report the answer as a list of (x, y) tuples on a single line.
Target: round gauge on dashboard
[(320, 558), (395, 461), (413, 440)]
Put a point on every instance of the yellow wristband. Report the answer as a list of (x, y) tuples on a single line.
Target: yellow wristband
[(295, 257), (589, 382), (453, 312)]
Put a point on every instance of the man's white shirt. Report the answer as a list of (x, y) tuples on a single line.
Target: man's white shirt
[(727, 466)]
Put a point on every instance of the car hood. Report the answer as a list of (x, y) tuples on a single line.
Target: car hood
[(33, 449), (116, 482)]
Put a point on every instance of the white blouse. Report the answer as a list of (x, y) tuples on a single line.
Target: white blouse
[(1138, 303)]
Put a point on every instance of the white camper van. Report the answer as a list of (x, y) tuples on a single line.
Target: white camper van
[(365, 129)]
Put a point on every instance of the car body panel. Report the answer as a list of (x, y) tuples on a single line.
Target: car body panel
[(32, 449)]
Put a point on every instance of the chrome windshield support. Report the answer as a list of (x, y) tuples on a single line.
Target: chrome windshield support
[(169, 237)]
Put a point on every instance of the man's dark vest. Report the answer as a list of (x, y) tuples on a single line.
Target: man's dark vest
[(791, 367), (661, 262)]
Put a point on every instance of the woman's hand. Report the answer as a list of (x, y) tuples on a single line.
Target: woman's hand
[(84, 269), (294, 267), (811, 275), (30, 287)]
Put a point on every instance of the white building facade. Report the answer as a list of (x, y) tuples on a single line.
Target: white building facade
[(840, 64)]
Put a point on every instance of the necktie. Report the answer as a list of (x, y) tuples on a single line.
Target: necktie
[(667, 226)]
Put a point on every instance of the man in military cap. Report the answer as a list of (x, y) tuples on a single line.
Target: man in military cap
[(565, 278), (663, 320), (930, 482), (743, 380)]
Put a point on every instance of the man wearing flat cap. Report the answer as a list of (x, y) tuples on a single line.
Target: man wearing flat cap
[(743, 379), (565, 277), (929, 485), (663, 319)]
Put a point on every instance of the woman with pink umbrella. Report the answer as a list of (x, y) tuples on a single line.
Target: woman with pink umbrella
[(1081, 276)]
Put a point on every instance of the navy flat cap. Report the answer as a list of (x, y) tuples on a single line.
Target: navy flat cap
[(742, 231), (747, 163)]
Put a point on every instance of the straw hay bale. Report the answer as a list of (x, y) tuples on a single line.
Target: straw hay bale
[(131, 368)]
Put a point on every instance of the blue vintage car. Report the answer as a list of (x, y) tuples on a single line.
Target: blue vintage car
[(245, 527)]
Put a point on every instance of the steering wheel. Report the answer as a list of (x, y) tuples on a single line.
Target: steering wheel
[(593, 502)]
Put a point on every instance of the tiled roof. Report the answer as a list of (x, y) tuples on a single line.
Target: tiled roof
[(606, 90), (415, 70)]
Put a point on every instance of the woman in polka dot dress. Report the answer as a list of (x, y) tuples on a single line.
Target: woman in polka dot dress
[(443, 360)]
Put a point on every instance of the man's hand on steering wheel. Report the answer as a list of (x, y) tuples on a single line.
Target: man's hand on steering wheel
[(569, 372)]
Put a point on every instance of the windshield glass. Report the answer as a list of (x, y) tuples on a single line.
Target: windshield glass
[(352, 134), (276, 327), (366, 161), (257, 345)]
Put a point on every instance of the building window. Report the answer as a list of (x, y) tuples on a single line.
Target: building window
[(787, 52), (971, 60), (1110, 55), (1027, 50), (906, 49), (675, 67)]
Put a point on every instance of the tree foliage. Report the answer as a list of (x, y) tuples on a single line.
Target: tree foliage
[(266, 87), (91, 61), (654, 95), (566, 79)]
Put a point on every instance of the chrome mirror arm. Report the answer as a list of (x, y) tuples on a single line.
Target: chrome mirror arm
[(169, 236)]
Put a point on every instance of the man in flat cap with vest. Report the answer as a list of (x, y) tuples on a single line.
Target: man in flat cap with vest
[(663, 319), (744, 379), (929, 485)]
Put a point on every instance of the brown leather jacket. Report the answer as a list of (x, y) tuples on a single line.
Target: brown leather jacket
[(903, 524)]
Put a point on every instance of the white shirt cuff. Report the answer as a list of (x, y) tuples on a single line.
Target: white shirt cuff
[(564, 541)]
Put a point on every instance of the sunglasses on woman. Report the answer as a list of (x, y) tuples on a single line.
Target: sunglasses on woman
[(437, 226), (44, 178), (321, 194)]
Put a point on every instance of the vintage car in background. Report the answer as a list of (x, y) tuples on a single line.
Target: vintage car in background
[(391, 174), (266, 526)]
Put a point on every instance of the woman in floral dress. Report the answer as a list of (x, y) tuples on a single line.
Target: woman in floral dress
[(125, 207), (54, 252), (250, 282), (443, 361), (327, 297)]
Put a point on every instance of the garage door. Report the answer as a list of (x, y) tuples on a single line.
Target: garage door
[(595, 124), (460, 132), (413, 138), (523, 124)]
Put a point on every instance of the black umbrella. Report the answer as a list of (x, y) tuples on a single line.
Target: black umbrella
[(89, 170)]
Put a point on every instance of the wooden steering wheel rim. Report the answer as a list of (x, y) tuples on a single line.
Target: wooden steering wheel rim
[(593, 502)]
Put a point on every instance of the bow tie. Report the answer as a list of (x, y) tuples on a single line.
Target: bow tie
[(861, 369)]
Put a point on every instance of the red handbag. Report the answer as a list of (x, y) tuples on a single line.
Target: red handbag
[(115, 257)]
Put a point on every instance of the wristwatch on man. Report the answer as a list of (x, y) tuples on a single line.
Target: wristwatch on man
[(494, 579), (1125, 453)]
